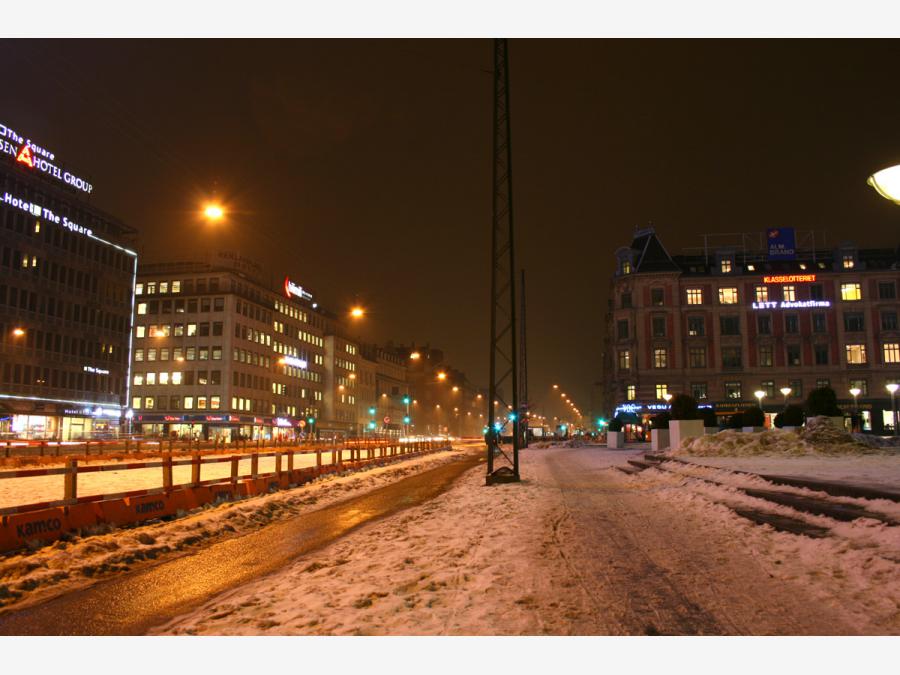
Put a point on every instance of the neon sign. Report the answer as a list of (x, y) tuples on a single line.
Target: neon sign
[(790, 279), (293, 361), (292, 289), (792, 304), (46, 214), (96, 371), (27, 152)]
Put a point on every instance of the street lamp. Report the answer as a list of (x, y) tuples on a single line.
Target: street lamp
[(18, 332), (415, 356), (892, 387), (785, 391), (760, 395), (854, 392), (213, 212), (357, 312), (887, 183), (667, 397)]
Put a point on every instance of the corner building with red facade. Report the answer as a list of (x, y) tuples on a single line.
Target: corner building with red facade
[(731, 321)]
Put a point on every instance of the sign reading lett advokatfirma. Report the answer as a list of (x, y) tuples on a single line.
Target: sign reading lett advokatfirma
[(28, 153)]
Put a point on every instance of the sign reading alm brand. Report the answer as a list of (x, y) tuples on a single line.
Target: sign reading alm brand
[(781, 243)]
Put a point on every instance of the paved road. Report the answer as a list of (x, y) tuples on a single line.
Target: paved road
[(132, 603)]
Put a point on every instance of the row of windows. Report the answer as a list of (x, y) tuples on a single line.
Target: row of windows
[(62, 344), (854, 322), (345, 364), (56, 273), (855, 354), (728, 295), (54, 378), (176, 286), (177, 377), (71, 243), (735, 391), (291, 311), (252, 335), (191, 353), (204, 402), (182, 305), (50, 306), (163, 330)]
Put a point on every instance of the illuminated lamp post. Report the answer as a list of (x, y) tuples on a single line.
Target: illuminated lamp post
[(760, 395), (854, 392), (892, 387), (887, 183), (785, 391)]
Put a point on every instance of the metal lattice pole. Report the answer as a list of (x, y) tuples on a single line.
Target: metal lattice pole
[(504, 365), (524, 408)]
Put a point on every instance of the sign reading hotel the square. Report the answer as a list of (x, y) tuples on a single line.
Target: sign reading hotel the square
[(781, 243)]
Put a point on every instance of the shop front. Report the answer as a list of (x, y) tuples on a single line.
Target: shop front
[(27, 420), (218, 427)]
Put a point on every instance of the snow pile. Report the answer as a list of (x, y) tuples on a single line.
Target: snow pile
[(818, 437), (854, 567), (103, 550)]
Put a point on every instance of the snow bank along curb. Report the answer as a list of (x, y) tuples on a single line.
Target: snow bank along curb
[(49, 524), (103, 550)]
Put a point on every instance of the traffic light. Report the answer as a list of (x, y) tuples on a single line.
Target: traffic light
[(407, 420), (311, 420), (406, 400), (372, 410), (371, 425)]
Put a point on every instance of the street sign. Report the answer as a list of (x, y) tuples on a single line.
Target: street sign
[(301, 423), (387, 419)]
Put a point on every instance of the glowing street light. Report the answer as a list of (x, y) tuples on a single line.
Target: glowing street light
[(415, 356), (18, 332), (785, 391), (357, 312), (667, 397), (213, 212), (854, 392), (760, 395), (442, 376), (887, 183), (556, 386), (892, 387)]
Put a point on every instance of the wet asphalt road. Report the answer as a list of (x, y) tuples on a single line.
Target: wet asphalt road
[(132, 603)]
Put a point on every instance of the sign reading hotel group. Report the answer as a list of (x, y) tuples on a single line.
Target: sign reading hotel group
[(28, 153)]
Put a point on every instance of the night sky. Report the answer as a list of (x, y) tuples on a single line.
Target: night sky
[(362, 168)]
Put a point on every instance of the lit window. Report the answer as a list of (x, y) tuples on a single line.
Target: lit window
[(188, 402), (856, 354), (139, 331), (851, 292), (164, 378), (661, 391), (891, 352), (151, 378), (176, 377), (625, 360), (626, 267), (695, 296), (142, 308), (176, 287), (789, 293), (728, 296), (215, 402), (151, 354), (163, 286), (191, 329), (847, 262), (138, 379), (201, 403), (139, 289), (733, 390), (136, 402), (725, 265), (148, 402), (660, 358), (138, 354), (151, 287), (630, 392)]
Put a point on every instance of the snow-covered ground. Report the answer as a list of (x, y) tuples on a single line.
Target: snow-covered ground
[(576, 548), (78, 561), (876, 471), (37, 489)]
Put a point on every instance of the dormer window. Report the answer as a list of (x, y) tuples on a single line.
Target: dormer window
[(847, 261), (626, 267), (725, 265)]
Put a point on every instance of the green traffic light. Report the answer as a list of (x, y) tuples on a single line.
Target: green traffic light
[(371, 411)]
